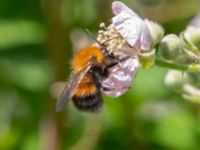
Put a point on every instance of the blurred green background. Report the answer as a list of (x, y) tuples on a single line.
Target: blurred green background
[(37, 40)]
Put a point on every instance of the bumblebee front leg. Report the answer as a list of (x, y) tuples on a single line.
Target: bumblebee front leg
[(116, 62)]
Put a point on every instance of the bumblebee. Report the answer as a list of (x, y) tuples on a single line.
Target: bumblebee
[(90, 67)]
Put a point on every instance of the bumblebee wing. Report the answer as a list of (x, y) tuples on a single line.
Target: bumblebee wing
[(70, 88)]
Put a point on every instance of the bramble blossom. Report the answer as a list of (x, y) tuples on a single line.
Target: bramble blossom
[(128, 35)]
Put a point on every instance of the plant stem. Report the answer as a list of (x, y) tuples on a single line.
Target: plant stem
[(52, 125), (189, 68), (168, 65)]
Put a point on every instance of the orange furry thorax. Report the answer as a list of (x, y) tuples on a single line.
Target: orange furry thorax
[(84, 56)]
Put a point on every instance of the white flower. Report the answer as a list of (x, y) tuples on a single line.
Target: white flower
[(131, 27), (130, 35), (120, 78)]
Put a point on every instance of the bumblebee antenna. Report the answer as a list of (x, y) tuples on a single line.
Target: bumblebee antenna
[(110, 39), (92, 36), (103, 46)]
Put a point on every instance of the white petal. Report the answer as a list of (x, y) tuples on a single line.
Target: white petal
[(118, 7), (146, 38), (131, 27), (120, 77), (128, 26)]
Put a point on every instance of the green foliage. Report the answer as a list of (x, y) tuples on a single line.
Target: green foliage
[(34, 42)]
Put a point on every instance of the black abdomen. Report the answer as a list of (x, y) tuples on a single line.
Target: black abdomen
[(90, 103)]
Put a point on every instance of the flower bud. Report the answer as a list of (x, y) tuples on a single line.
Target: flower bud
[(170, 47), (192, 35), (156, 30), (147, 59), (176, 79), (191, 93)]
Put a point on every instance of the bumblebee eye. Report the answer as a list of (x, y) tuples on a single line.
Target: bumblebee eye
[(104, 50), (107, 54)]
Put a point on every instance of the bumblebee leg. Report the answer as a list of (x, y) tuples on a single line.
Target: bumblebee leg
[(106, 89), (116, 62), (111, 89), (95, 76)]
